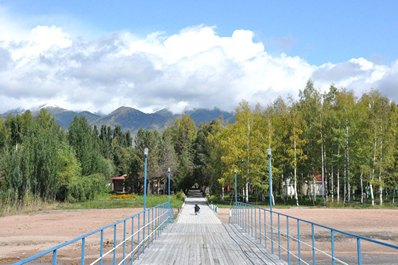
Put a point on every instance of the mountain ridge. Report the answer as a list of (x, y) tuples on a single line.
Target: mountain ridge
[(129, 118)]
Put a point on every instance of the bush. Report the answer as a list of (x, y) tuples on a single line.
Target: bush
[(85, 188), (181, 195)]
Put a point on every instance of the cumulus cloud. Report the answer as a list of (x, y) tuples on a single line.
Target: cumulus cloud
[(358, 74), (193, 68)]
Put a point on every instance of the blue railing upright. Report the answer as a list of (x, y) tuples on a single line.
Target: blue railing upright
[(121, 242), (298, 241)]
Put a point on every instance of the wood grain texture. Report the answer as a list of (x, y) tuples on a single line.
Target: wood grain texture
[(203, 239)]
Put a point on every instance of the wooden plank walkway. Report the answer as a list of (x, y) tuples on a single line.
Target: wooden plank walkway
[(203, 239)]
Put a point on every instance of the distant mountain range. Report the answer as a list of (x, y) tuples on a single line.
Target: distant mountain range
[(130, 118)]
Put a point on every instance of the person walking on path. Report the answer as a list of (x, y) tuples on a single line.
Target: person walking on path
[(197, 208)]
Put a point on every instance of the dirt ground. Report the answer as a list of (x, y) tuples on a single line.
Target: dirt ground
[(24, 235), (378, 224)]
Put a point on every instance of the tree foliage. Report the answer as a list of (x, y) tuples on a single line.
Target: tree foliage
[(345, 145)]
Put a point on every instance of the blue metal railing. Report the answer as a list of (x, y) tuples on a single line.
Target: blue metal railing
[(213, 207), (299, 241), (110, 244)]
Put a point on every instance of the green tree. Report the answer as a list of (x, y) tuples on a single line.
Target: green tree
[(84, 141), (184, 132)]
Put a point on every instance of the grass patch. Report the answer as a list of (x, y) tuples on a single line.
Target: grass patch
[(6, 210), (29, 204), (107, 201)]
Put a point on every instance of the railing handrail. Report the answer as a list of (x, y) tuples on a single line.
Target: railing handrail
[(322, 226), (81, 237)]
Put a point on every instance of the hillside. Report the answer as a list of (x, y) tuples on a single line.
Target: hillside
[(131, 119)]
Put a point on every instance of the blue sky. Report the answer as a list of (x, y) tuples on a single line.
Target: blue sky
[(352, 44), (319, 31)]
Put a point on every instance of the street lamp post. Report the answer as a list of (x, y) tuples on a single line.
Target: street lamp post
[(270, 177), (236, 187), (168, 186), (145, 169)]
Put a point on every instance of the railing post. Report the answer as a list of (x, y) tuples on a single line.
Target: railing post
[(54, 257), (83, 246), (255, 222), (272, 233), (101, 245), (132, 240), (252, 221), (236, 214), (171, 214), (139, 233), (259, 223), (124, 239), (279, 236), (359, 252), (149, 227), (114, 244), (143, 230), (298, 242), (153, 224), (240, 216), (265, 228), (332, 243), (313, 244), (246, 219), (288, 239), (156, 221)]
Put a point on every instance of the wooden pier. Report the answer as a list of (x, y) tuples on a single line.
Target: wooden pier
[(203, 239)]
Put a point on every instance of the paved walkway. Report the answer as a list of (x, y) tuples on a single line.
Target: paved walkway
[(203, 239)]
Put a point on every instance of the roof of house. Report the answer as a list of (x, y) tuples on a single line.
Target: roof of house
[(121, 177)]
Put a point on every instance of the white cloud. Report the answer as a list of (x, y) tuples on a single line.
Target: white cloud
[(193, 68), (358, 74)]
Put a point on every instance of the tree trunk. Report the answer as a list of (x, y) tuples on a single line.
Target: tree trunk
[(323, 171), (380, 172), (373, 171), (248, 161), (348, 166), (247, 192), (371, 194), (295, 172), (338, 177), (332, 185), (326, 174), (313, 189), (361, 182), (345, 179), (345, 187)]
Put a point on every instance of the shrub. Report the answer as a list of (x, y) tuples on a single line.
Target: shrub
[(85, 188), (181, 195)]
